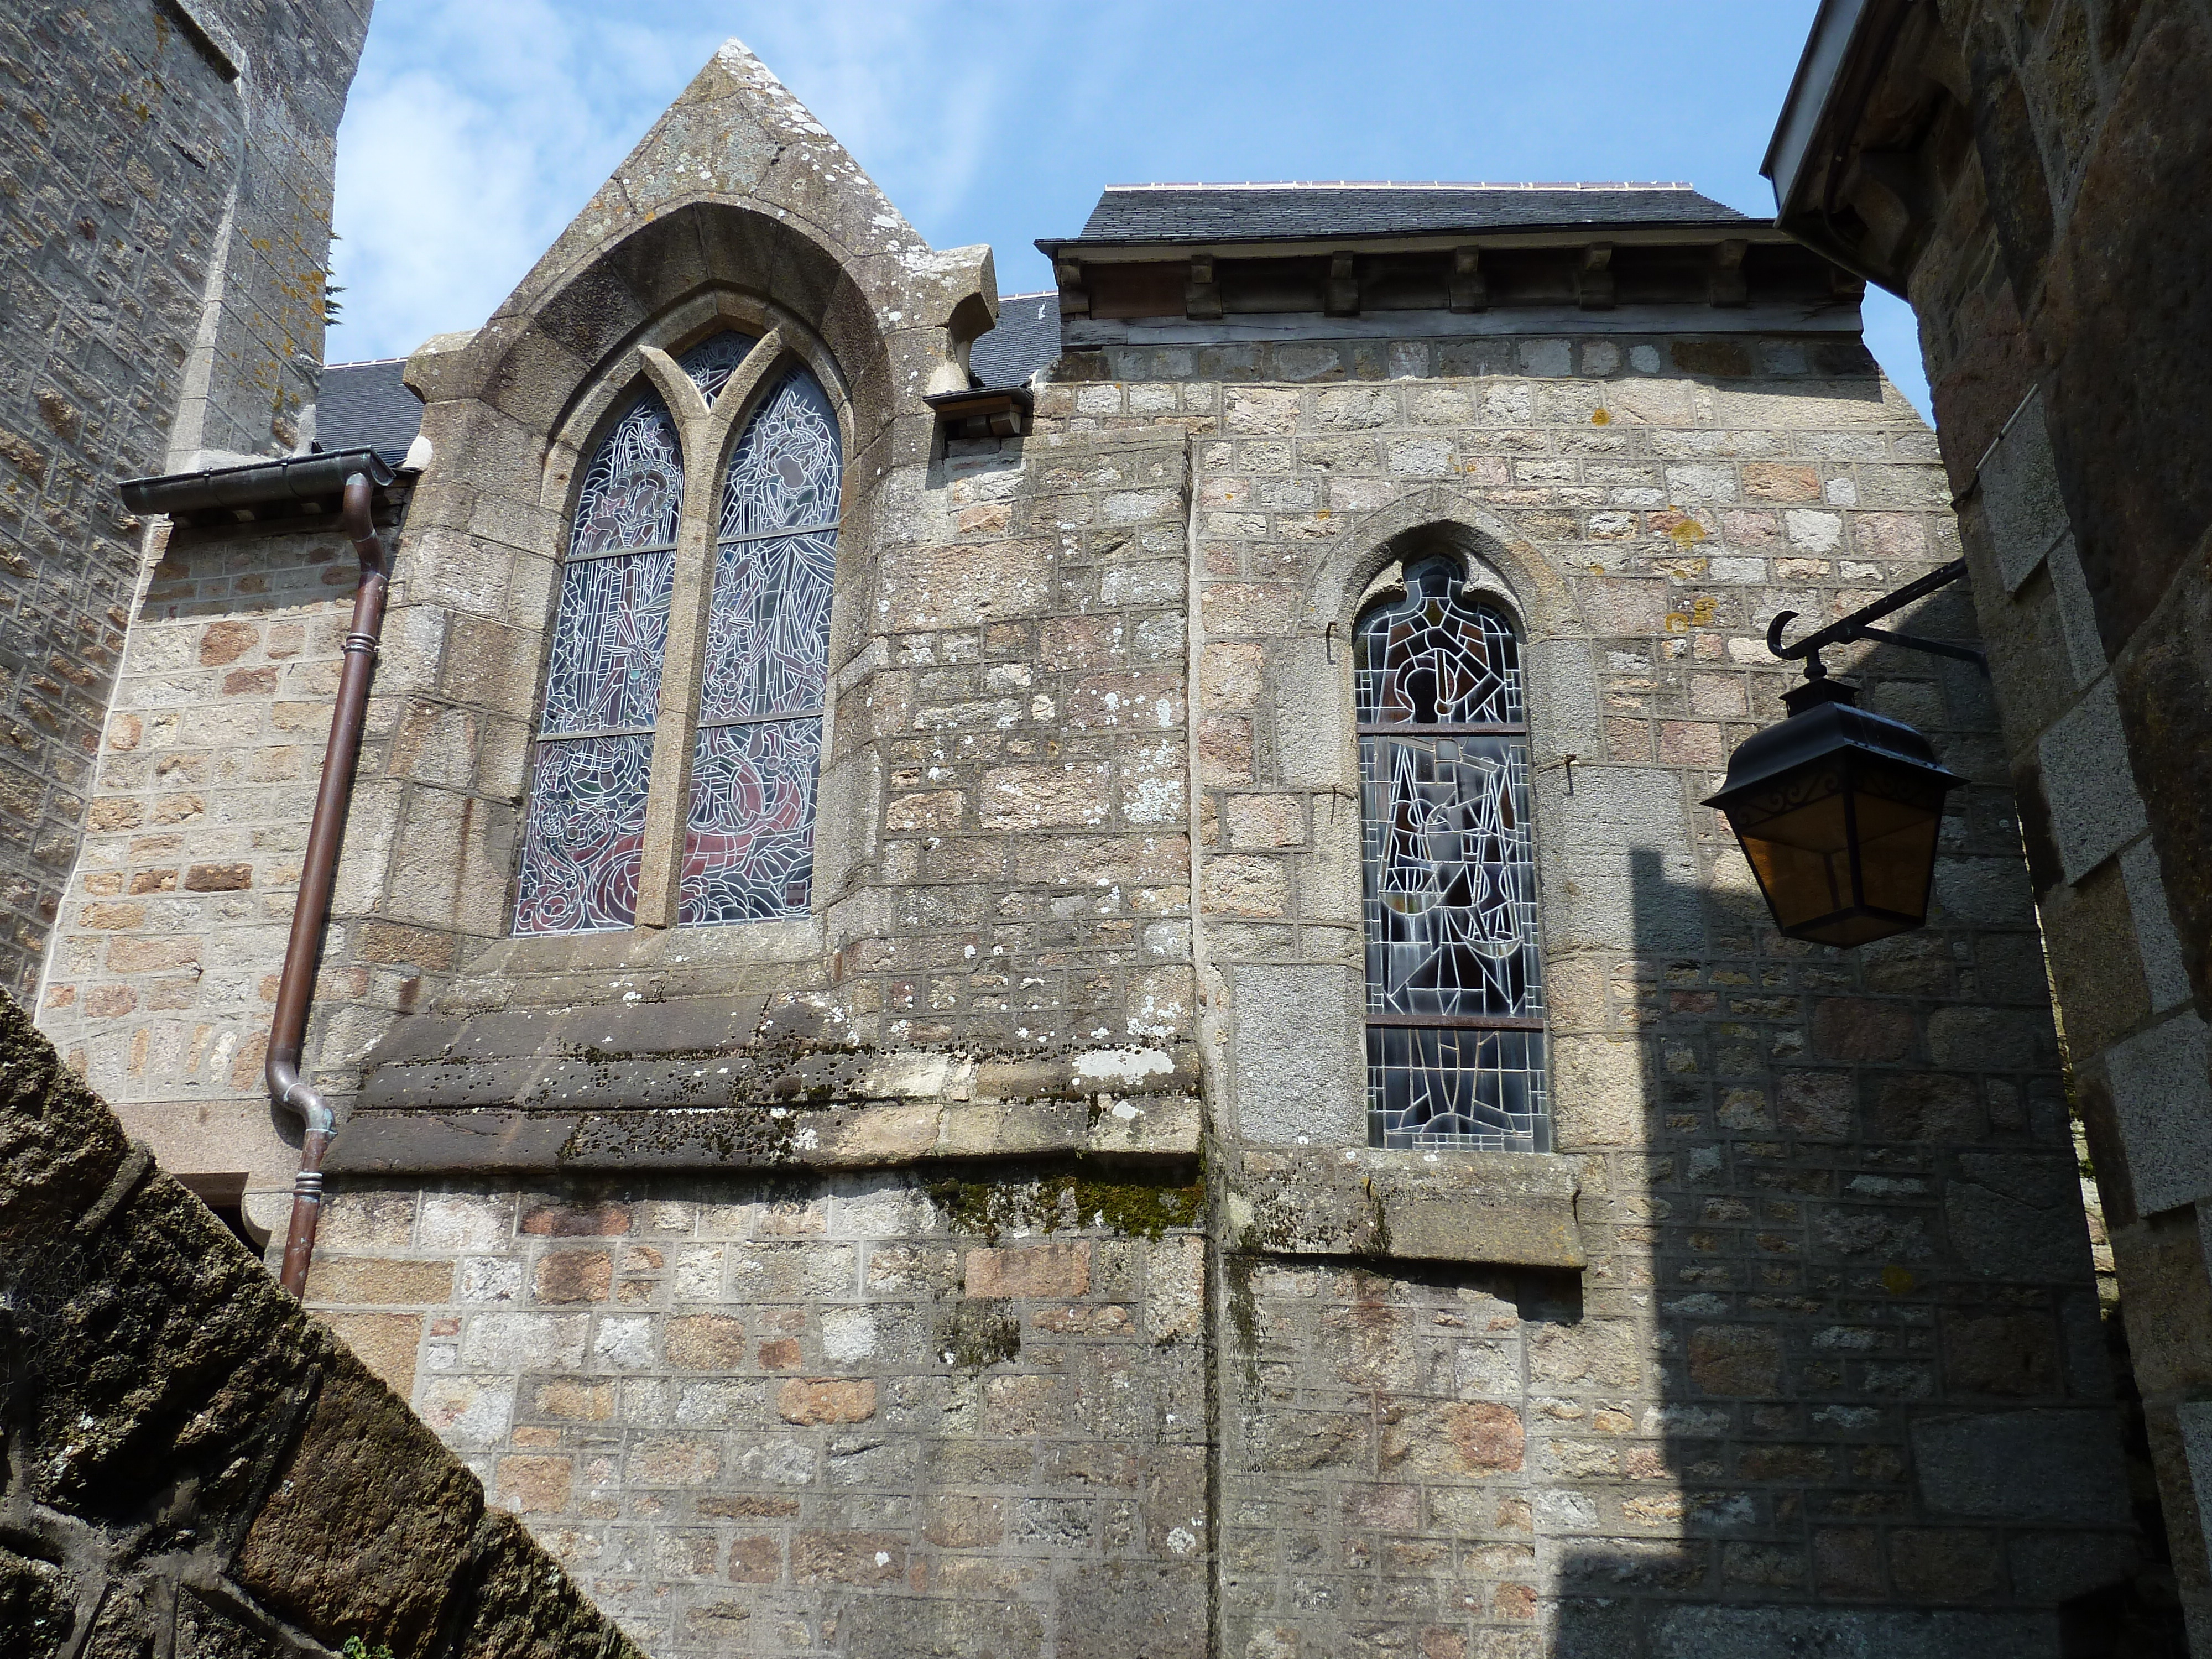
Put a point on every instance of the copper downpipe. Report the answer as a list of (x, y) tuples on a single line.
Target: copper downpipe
[(311, 915)]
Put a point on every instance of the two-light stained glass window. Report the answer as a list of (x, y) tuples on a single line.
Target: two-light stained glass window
[(1455, 975), (748, 834)]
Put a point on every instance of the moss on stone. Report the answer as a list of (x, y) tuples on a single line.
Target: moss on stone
[(1134, 1209), (978, 1333)]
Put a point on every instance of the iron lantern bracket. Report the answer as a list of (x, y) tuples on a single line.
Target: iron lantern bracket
[(1857, 626)]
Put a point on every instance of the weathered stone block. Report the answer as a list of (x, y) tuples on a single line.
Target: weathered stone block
[(826, 1399), (1055, 1269), (2043, 1466), (371, 1519), (1736, 1360)]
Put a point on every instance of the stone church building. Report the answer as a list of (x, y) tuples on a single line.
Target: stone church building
[(1042, 974)]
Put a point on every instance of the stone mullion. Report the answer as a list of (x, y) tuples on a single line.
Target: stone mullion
[(705, 435)]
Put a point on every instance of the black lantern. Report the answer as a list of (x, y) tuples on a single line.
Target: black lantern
[(1837, 810)]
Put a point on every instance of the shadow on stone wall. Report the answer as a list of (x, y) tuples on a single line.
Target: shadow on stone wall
[(1880, 1434), (193, 1465)]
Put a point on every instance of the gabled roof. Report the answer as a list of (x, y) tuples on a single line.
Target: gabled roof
[(1308, 211), (367, 406), (1026, 340)]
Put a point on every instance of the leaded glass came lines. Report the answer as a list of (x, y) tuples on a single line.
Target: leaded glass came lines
[(787, 468), (1454, 982), (768, 632), (583, 835), (749, 847), (712, 361), (608, 642), (584, 838), (634, 489), (748, 840)]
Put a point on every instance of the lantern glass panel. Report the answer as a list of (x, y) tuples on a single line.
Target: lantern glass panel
[(1899, 819), (1799, 835)]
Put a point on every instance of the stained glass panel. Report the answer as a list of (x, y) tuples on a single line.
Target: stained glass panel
[(1437, 658), (608, 640), (583, 834), (582, 840), (768, 628), (749, 847), (749, 844), (786, 468), (1441, 1086), (1454, 979), (633, 490), (1451, 900), (712, 361)]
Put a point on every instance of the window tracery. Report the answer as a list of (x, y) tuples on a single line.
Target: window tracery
[(748, 834), (1456, 1052)]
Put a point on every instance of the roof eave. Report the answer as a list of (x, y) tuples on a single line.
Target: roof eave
[(1825, 106), (1650, 234), (1812, 89)]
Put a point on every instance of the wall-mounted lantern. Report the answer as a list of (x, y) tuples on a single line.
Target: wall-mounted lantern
[(1838, 809)]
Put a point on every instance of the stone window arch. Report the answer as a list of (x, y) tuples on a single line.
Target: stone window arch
[(681, 727), (1454, 994)]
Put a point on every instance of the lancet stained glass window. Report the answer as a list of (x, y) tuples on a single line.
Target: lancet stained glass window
[(749, 840), (1454, 982), (583, 839)]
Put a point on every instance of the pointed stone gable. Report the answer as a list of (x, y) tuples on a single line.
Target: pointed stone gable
[(737, 135), (738, 139)]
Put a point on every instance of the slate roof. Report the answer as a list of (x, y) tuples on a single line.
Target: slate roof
[(1302, 212), (367, 404), (1026, 340)]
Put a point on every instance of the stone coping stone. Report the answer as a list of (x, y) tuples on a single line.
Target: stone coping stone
[(1147, 1127), (1504, 1209), (732, 1053)]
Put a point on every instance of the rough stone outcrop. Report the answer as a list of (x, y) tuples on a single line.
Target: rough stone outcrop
[(194, 1465)]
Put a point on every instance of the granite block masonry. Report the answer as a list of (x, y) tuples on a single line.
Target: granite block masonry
[(169, 182), (986, 1252)]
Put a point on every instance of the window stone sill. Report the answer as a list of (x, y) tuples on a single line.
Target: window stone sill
[(738, 1082), (1155, 1129), (1502, 1209)]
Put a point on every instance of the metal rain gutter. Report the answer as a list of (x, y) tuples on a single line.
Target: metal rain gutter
[(1810, 92), (257, 484)]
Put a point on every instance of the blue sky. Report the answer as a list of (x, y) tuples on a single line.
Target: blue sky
[(476, 129)]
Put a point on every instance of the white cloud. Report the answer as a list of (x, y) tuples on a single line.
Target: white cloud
[(475, 132)]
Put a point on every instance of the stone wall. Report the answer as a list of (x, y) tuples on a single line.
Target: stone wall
[(1812, 1347), (2055, 267), (867, 1415), (168, 222), (163, 974), (1786, 1376), (193, 1465)]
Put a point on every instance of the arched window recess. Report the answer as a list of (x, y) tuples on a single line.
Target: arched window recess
[(694, 608), (1455, 1006)]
